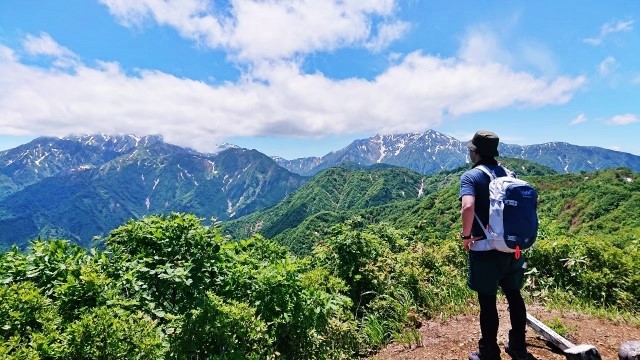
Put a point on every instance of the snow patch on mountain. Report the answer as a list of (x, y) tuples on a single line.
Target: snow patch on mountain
[(222, 147)]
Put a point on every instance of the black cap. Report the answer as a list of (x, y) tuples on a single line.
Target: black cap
[(484, 143)]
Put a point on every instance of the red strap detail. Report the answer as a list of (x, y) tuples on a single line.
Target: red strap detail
[(517, 254)]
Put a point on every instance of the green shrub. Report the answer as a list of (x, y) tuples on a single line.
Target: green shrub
[(220, 330), (353, 252), (30, 326), (300, 305), (589, 268), (113, 333), (165, 262), (182, 274), (47, 264)]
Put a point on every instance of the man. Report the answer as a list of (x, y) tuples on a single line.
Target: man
[(488, 268)]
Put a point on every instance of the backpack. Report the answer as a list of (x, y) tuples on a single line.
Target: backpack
[(513, 216)]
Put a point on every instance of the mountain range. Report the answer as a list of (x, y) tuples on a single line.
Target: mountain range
[(78, 187), (432, 151)]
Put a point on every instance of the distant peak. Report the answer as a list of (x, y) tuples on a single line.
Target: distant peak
[(94, 139), (222, 147)]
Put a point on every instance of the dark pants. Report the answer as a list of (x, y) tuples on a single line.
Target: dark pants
[(489, 321), (489, 270)]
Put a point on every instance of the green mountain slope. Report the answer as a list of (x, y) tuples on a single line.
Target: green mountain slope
[(337, 194), (333, 191), (592, 203), (602, 202)]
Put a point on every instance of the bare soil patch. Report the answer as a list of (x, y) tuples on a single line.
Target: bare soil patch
[(454, 338)]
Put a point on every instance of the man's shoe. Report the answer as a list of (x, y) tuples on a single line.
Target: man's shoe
[(476, 355), (517, 354)]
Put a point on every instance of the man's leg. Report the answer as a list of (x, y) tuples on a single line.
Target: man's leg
[(511, 284), (489, 321), (518, 316), (483, 279)]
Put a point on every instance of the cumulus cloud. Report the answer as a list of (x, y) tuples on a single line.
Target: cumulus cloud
[(275, 98), (45, 45), (579, 119), (608, 29), (387, 34), (7, 54), (624, 119), (273, 29)]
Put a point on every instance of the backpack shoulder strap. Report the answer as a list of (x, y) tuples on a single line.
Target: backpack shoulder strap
[(509, 172), (486, 170), (484, 228)]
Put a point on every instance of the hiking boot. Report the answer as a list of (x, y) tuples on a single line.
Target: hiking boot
[(517, 354), (476, 355), (487, 350)]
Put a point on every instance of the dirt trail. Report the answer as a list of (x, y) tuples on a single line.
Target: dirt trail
[(454, 338)]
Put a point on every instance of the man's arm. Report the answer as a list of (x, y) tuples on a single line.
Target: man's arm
[(466, 213), (468, 207)]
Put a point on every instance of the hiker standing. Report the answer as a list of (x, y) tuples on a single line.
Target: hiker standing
[(490, 268)]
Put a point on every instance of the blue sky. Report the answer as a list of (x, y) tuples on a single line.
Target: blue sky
[(304, 77)]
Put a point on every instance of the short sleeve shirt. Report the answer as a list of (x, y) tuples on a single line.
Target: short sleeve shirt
[(476, 183)]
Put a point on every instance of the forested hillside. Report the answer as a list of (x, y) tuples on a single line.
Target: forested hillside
[(588, 203), (393, 195), (335, 190)]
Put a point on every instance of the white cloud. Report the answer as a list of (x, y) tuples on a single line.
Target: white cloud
[(267, 29), (624, 119), (607, 66), (387, 34), (609, 28), (579, 119), (7, 54), (45, 45), (275, 98), (636, 80), (190, 17)]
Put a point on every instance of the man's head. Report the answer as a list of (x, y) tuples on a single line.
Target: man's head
[(484, 144)]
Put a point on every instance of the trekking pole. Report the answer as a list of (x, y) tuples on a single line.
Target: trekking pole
[(571, 351)]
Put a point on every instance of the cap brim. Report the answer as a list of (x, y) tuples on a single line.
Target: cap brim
[(470, 146)]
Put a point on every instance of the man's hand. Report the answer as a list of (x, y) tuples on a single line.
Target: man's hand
[(467, 242)]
